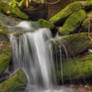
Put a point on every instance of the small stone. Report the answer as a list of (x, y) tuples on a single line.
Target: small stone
[(90, 51), (8, 12)]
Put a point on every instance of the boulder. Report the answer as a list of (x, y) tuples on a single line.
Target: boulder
[(73, 22), (75, 43), (77, 68), (15, 83)]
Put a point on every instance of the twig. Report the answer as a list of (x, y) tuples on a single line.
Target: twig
[(89, 28)]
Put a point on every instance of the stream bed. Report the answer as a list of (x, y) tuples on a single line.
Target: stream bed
[(65, 88)]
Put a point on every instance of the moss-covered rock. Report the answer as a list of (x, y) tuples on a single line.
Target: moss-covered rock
[(69, 9), (74, 43), (73, 22), (66, 12), (16, 83), (5, 8), (5, 53), (44, 23), (77, 68)]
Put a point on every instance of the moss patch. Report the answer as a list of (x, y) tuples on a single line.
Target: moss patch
[(5, 8), (78, 68), (73, 22), (15, 83), (44, 23), (75, 6), (5, 54)]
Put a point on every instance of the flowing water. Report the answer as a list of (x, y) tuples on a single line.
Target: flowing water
[(33, 54)]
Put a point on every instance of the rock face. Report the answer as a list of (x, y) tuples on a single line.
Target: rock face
[(74, 43), (73, 22), (5, 53), (15, 83), (77, 68)]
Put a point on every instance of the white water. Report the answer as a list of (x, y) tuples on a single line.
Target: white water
[(32, 52)]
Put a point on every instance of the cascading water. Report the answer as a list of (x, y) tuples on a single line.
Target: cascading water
[(32, 53)]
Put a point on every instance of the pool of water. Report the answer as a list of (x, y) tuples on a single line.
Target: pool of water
[(68, 88)]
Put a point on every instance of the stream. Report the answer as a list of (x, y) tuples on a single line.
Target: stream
[(33, 54)]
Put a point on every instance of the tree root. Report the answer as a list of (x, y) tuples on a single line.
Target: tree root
[(89, 29)]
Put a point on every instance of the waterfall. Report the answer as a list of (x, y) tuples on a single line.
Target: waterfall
[(33, 54)]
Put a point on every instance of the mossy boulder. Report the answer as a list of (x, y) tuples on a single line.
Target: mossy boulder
[(5, 53), (44, 23), (69, 9), (74, 43), (6, 9), (77, 68), (16, 83), (73, 22)]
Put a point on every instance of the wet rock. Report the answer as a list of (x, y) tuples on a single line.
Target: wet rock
[(74, 43), (5, 20), (15, 83), (73, 22)]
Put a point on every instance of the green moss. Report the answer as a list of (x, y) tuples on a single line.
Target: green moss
[(73, 22), (75, 6), (4, 7), (78, 68), (15, 83), (2, 27), (69, 9), (15, 3), (87, 3), (4, 32), (44, 23), (5, 55), (75, 43)]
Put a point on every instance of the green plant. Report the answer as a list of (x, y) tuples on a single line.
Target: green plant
[(15, 3)]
